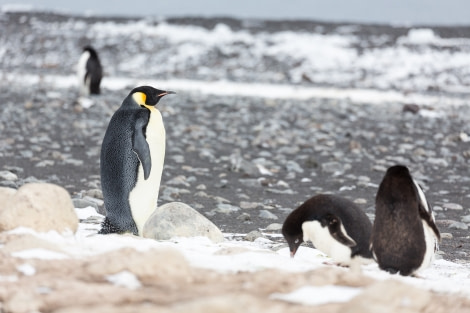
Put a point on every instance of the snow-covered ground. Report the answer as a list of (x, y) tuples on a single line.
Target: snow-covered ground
[(442, 276)]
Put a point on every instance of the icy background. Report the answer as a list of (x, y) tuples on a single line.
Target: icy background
[(404, 59)]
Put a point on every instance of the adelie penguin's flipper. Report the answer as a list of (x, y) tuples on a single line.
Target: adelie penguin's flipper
[(334, 226), (141, 147)]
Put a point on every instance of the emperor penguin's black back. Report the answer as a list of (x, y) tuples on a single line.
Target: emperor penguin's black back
[(398, 241)]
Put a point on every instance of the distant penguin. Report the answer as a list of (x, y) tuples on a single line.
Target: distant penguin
[(89, 72), (335, 226), (404, 235), (132, 156)]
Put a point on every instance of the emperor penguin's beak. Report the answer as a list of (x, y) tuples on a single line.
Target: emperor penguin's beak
[(166, 93)]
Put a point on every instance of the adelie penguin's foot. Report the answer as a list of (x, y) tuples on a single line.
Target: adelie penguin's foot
[(336, 263)]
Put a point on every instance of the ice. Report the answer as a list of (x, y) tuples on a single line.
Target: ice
[(124, 279), (318, 295)]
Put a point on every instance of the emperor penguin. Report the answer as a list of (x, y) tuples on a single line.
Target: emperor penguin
[(131, 160), (404, 235), (335, 225), (89, 72)]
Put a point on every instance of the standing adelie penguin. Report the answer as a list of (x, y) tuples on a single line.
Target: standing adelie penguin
[(89, 72), (404, 235), (132, 156), (335, 226)]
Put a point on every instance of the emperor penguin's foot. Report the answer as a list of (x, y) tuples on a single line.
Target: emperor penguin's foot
[(109, 228)]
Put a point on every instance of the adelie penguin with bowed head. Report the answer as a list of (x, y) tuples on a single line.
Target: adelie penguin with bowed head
[(89, 72), (132, 156), (335, 226), (404, 236)]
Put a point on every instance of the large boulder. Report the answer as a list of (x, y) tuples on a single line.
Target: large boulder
[(42, 207), (176, 219)]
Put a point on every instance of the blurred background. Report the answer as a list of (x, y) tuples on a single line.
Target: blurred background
[(430, 12)]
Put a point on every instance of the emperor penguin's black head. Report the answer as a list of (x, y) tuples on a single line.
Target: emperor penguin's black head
[(147, 96)]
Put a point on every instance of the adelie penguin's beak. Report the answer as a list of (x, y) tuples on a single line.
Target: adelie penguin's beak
[(166, 93), (292, 253)]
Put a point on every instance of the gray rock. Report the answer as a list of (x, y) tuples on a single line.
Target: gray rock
[(458, 225), (452, 206), (332, 167), (274, 227), (282, 192), (82, 203), (466, 219), (177, 219), (438, 162), (446, 236), (244, 217), (239, 164), (253, 235), (293, 166), (267, 215), (94, 193), (245, 205), (7, 175), (226, 208), (251, 182)]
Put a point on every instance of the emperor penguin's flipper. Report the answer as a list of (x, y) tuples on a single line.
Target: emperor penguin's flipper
[(141, 147), (337, 230)]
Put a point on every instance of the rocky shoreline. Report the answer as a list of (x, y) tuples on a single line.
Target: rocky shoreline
[(246, 162)]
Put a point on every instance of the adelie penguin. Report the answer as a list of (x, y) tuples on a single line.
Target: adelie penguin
[(335, 226), (132, 156), (89, 72), (404, 236)]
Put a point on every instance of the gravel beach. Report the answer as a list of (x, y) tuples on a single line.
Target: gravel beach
[(243, 162)]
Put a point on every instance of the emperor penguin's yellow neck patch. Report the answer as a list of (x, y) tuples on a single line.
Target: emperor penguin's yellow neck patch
[(139, 98)]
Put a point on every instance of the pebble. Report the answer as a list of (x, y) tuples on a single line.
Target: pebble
[(267, 215), (226, 208), (253, 235), (458, 225), (249, 205), (7, 175), (452, 206), (274, 227), (446, 236), (244, 217), (466, 219)]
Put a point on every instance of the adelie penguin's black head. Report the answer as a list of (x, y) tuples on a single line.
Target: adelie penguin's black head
[(92, 51), (292, 232), (147, 96)]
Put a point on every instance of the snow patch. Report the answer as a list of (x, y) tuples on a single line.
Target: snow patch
[(318, 295)]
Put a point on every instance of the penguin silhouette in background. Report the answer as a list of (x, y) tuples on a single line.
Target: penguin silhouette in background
[(131, 160), (404, 235), (335, 226), (89, 72)]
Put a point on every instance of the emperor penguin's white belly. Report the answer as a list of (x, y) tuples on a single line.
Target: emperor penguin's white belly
[(323, 241), (143, 198)]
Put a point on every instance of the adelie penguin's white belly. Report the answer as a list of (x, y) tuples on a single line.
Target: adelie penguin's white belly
[(323, 241), (431, 243), (81, 72), (143, 198)]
